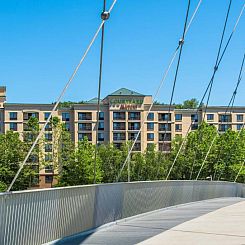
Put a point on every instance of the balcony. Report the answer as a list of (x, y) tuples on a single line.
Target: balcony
[(224, 118), (166, 147), (132, 136), (119, 136), (133, 126), (164, 127), (85, 127), (119, 126), (82, 136), (137, 147), (28, 115), (165, 137), (119, 116), (164, 116), (84, 116), (224, 127)]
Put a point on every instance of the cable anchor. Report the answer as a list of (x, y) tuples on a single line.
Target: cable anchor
[(105, 15), (181, 41)]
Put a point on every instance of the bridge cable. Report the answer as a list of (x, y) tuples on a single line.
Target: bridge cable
[(104, 16), (233, 97), (239, 171), (181, 43), (231, 103), (60, 97), (215, 69), (207, 89), (158, 89)]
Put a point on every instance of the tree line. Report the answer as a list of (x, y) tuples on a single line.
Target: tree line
[(75, 163)]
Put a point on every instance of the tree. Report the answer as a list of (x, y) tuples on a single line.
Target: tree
[(78, 170), (188, 104), (12, 153)]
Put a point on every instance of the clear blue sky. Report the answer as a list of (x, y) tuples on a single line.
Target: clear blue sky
[(42, 41)]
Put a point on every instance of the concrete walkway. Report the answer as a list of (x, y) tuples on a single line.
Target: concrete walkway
[(164, 226), (223, 226)]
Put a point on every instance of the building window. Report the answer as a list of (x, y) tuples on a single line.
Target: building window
[(13, 126), (84, 126), (48, 148), (101, 137), (150, 126), (194, 126), (150, 116), (210, 117), (82, 136), (65, 116), (13, 115), (194, 118), (224, 127), (165, 137), (118, 126), (101, 115), (118, 115), (28, 115), (48, 127), (117, 145), (178, 117), (84, 115), (134, 116), (119, 136), (239, 126), (224, 118), (166, 147), (164, 126), (49, 169), (48, 137), (48, 179), (132, 136), (67, 126), (178, 127), (46, 115), (101, 126), (137, 147), (48, 157), (239, 118), (164, 116), (133, 126), (150, 136)]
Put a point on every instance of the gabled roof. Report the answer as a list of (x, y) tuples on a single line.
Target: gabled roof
[(92, 101), (125, 92)]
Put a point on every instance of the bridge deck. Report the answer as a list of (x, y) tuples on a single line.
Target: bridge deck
[(224, 226), (138, 229)]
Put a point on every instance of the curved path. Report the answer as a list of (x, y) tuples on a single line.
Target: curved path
[(207, 222)]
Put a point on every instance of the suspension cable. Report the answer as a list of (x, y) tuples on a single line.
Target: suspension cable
[(158, 90), (60, 97), (239, 171), (217, 58), (231, 105), (181, 43), (233, 97), (204, 95), (104, 16)]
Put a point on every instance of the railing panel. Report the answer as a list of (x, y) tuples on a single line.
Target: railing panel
[(38, 216)]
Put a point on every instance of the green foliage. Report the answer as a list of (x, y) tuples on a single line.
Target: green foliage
[(188, 104), (12, 153), (75, 164)]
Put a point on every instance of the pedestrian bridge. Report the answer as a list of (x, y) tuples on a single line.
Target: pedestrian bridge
[(119, 213)]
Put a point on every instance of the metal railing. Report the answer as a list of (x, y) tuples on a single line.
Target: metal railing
[(38, 216)]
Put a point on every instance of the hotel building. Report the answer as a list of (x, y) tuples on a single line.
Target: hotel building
[(122, 114)]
